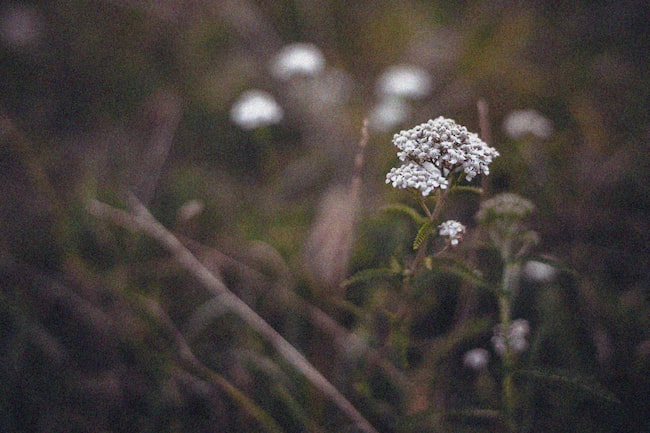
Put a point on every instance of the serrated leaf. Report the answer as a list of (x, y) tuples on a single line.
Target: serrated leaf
[(423, 234), (460, 269), (474, 414), (577, 383), (371, 274), (404, 210)]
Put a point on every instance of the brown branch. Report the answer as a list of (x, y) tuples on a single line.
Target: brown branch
[(144, 222), (325, 323)]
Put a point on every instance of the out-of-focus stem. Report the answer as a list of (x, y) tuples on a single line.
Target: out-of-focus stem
[(508, 287)]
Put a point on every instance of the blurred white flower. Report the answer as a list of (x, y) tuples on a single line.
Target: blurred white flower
[(434, 150), (476, 359), (404, 81), (453, 230), (300, 59), (505, 205), (388, 113), (256, 109), (190, 209), (516, 339), (519, 328), (539, 271), (520, 123), (20, 26)]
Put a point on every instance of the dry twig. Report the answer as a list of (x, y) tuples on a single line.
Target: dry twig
[(141, 220)]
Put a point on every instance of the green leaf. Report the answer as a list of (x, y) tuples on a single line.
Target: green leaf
[(404, 210), (423, 234), (371, 274), (476, 414), (460, 269), (578, 384), (467, 188)]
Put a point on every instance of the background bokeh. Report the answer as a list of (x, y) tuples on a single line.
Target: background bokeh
[(102, 97)]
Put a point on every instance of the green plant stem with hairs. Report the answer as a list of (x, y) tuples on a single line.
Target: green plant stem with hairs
[(433, 217)]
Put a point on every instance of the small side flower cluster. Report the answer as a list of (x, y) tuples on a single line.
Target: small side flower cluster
[(434, 150), (516, 338), (453, 230)]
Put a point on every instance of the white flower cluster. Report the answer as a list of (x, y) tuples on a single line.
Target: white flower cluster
[(435, 149), (505, 205), (516, 339), (453, 230), (425, 178)]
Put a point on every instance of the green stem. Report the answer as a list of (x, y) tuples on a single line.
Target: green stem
[(433, 216), (508, 288)]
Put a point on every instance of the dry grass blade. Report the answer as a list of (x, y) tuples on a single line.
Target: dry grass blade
[(141, 219)]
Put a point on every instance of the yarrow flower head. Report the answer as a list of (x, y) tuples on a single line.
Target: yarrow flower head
[(256, 109), (453, 230), (434, 150)]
